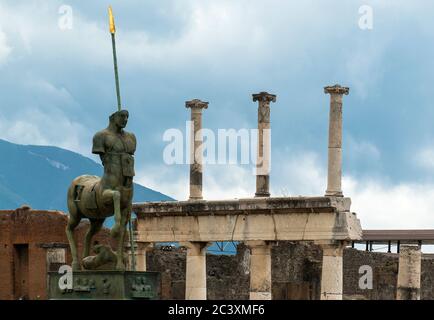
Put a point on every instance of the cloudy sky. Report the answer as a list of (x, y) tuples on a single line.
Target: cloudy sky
[(57, 88)]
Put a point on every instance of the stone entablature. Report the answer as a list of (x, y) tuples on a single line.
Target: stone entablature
[(267, 219)]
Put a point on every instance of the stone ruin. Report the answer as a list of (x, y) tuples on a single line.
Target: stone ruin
[(259, 222)]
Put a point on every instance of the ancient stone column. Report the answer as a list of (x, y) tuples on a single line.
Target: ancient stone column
[(195, 279), (408, 287), (260, 270), (264, 141), (334, 178), (196, 107), (332, 270), (140, 253)]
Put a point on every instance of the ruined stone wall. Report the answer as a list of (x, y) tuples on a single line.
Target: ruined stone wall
[(385, 275), (227, 276), (427, 279), (296, 273), (172, 266), (385, 272)]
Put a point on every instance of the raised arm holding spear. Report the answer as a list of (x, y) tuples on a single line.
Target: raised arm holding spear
[(118, 95)]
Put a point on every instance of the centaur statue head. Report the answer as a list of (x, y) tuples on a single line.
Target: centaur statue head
[(97, 198)]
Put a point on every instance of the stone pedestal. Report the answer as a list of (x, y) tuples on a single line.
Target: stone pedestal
[(264, 141), (332, 270), (195, 278), (260, 270), (408, 287), (334, 176), (196, 107), (104, 285)]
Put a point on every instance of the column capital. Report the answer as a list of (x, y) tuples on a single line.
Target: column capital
[(332, 248), (195, 247), (337, 89), (258, 244), (196, 104), (264, 97)]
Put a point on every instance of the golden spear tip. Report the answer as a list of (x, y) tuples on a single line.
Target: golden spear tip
[(111, 20)]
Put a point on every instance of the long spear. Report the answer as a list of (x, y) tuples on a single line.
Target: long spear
[(115, 61), (118, 94)]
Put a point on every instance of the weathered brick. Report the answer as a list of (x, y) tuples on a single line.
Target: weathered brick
[(38, 229)]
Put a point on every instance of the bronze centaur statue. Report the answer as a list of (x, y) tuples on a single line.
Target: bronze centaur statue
[(97, 198)]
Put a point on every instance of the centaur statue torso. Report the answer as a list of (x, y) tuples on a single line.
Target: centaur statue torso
[(97, 198)]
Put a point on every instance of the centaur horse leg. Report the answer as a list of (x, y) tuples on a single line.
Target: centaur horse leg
[(95, 226), (73, 221), (116, 197), (120, 265)]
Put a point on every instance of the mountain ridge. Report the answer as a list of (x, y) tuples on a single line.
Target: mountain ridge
[(39, 176)]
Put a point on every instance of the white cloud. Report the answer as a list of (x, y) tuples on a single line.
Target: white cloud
[(228, 182), (34, 32), (364, 67), (169, 180), (295, 173), (425, 158), (366, 149), (226, 32), (401, 206), (219, 182), (378, 205), (56, 130), (236, 40), (5, 49)]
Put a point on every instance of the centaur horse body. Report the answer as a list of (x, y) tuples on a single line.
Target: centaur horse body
[(97, 198)]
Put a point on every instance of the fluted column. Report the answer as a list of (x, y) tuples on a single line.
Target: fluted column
[(196, 107), (334, 177)]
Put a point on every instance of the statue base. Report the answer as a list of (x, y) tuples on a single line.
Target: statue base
[(104, 285)]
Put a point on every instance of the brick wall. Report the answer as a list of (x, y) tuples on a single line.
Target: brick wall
[(384, 270), (38, 230)]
